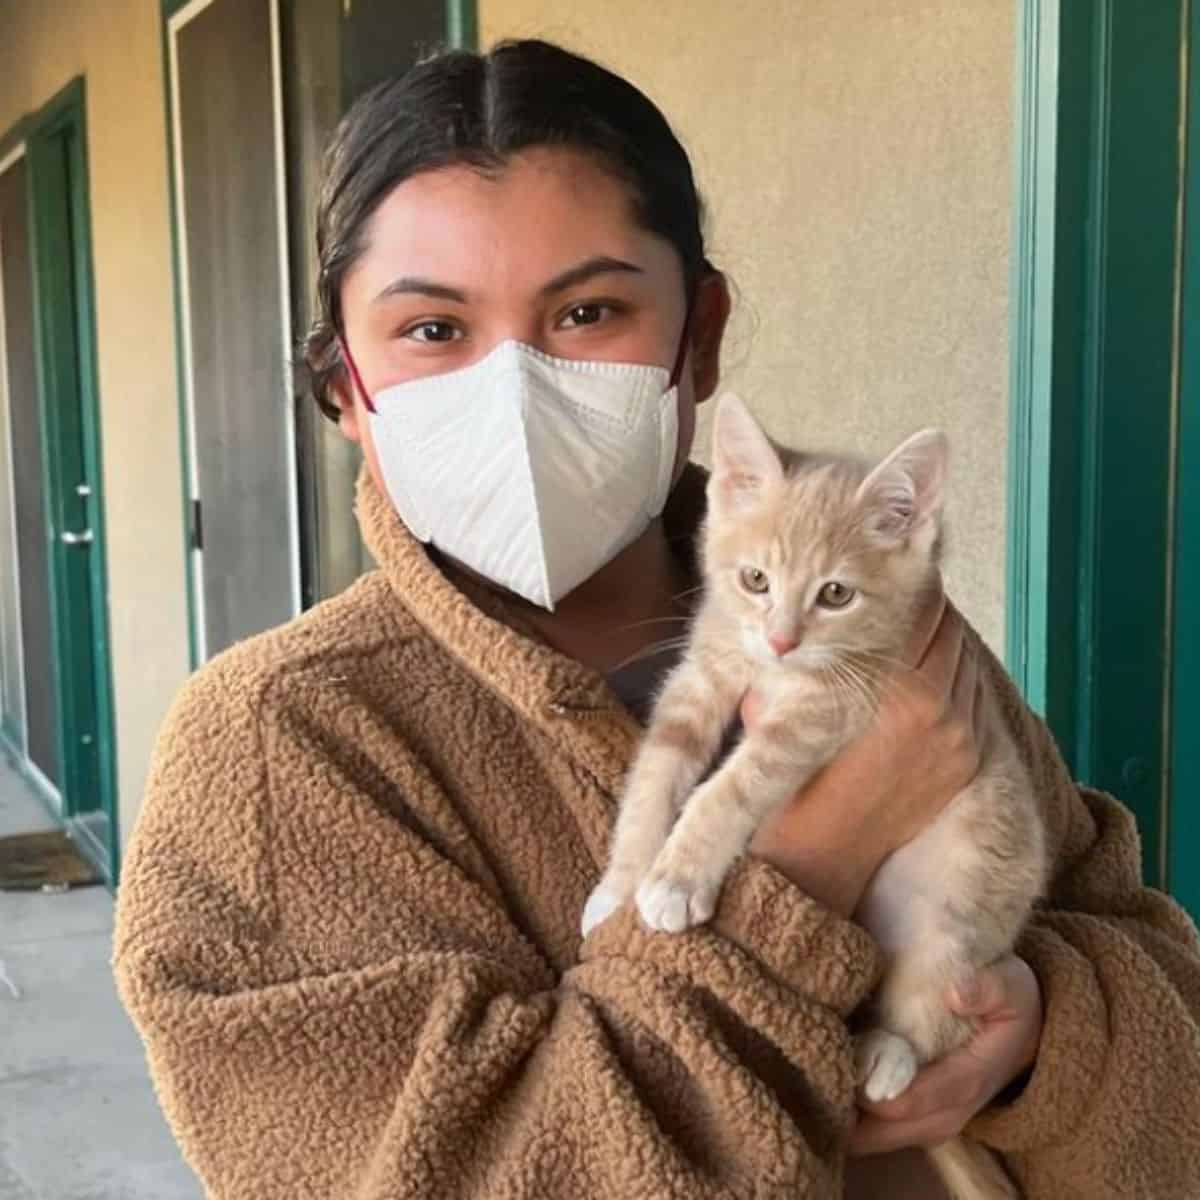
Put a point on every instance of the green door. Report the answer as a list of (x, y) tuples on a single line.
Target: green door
[(1104, 595), (1184, 810), (71, 472), (1185, 757)]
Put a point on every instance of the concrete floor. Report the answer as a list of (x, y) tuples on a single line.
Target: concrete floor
[(78, 1116)]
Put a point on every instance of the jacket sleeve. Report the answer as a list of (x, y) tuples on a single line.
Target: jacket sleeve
[(1112, 1107), (438, 1054)]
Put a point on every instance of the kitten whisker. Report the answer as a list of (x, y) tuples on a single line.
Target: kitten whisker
[(857, 652), (838, 687), (651, 621), (863, 685), (654, 648), (870, 676), (847, 687)]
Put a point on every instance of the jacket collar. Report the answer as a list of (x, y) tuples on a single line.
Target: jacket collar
[(484, 632)]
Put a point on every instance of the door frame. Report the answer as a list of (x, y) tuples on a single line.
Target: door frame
[(1094, 390), (175, 15), (13, 740), (67, 110), (462, 24)]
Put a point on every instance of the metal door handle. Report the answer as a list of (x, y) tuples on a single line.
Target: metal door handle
[(76, 539)]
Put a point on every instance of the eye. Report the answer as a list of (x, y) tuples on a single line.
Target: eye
[(754, 580), (433, 331), (835, 595), (585, 314)]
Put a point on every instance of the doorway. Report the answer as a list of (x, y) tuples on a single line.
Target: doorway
[(332, 53), (234, 323), (55, 686), (255, 89)]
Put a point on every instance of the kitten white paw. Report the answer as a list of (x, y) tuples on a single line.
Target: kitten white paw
[(671, 905), (601, 904), (884, 1063)]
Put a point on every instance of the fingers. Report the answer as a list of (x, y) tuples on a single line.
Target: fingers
[(875, 1136), (978, 725), (982, 995), (940, 663), (928, 625), (965, 689), (940, 1101), (1010, 1013), (949, 1083), (946, 1095)]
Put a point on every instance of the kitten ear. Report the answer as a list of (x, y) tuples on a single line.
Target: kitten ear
[(907, 489), (744, 461)]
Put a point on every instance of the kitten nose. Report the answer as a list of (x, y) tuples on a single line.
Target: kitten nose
[(781, 643)]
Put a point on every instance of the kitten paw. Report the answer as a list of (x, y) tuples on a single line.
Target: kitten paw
[(885, 1064), (606, 898), (601, 904), (671, 905)]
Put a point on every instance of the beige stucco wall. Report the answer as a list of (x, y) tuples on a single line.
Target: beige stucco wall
[(116, 47), (855, 157)]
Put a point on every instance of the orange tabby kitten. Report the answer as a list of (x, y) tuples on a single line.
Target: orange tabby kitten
[(816, 570)]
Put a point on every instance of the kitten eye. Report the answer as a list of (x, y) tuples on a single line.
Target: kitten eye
[(754, 580), (835, 595)]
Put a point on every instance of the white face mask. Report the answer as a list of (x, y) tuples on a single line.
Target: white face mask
[(533, 471)]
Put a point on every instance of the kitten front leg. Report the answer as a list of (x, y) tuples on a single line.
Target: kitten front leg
[(682, 886), (689, 720)]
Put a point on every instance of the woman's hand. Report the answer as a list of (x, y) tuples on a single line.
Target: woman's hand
[(887, 786), (947, 1094)]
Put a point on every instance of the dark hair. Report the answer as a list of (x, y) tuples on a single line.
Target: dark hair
[(459, 107)]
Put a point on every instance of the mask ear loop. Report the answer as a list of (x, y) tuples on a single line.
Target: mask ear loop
[(358, 383)]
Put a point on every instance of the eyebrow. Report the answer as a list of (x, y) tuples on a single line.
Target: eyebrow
[(600, 264), (413, 285)]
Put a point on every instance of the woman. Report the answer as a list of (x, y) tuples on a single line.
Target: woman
[(348, 924)]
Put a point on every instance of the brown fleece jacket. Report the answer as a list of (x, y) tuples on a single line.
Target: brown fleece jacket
[(348, 934)]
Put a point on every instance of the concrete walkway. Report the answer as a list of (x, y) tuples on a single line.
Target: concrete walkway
[(78, 1117)]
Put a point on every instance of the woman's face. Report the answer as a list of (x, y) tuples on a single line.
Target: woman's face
[(545, 251)]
